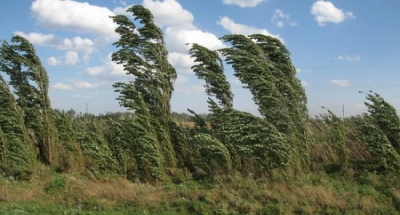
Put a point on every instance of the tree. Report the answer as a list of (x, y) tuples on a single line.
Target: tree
[(214, 156), (385, 157), (30, 83), (143, 54), (385, 117), (263, 65), (255, 145), (210, 69), (16, 148)]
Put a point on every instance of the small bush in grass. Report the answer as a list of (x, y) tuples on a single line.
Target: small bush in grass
[(57, 185)]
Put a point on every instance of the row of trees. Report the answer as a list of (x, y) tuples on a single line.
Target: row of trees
[(149, 144), (233, 140)]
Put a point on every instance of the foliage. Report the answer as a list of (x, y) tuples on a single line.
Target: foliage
[(96, 152), (385, 117), (214, 156), (381, 133), (16, 151), (255, 144), (55, 186), (122, 146), (210, 69), (143, 55), (69, 151), (336, 139), (183, 150), (261, 63), (386, 157), (265, 69), (23, 66), (200, 123)]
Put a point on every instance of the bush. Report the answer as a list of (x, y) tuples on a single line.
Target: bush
[(57, 185)]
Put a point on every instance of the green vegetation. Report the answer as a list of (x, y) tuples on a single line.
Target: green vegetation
[(152, 161)]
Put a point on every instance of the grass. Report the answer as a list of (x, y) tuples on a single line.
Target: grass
[(53, 193)]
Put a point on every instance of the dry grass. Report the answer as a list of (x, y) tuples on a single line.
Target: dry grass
[(367, 204), (322, 196), (113, 190), (239, 194), (308, 197), (11, 191), (24, 191)]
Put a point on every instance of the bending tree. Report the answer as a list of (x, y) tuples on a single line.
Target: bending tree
[(385, 117), (30, 83), (143, 54), (263, 65), (16, 148)]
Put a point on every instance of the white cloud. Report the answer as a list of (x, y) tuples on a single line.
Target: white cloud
[(122, 11), (93, 71), (71, 58), (235, 28), (39, 38), (52, 61), (169, 13), (243, 3), (325, 11), (108, 71), (180, 80), (83, 45), (61, 86), (350, 58), (76, 16), (86, 57), (340, 83), (76, 84), (281, 19), (177, 38), (181, 62), (85, 84)]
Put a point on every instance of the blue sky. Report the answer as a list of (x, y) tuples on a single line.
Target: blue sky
[(339, 47)]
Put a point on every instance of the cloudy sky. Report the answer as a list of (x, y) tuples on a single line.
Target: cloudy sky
[(339, 47)]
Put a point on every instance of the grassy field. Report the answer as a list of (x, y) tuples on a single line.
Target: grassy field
[(52, 193)]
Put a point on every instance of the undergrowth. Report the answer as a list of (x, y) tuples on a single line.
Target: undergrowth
[(314, 193)]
